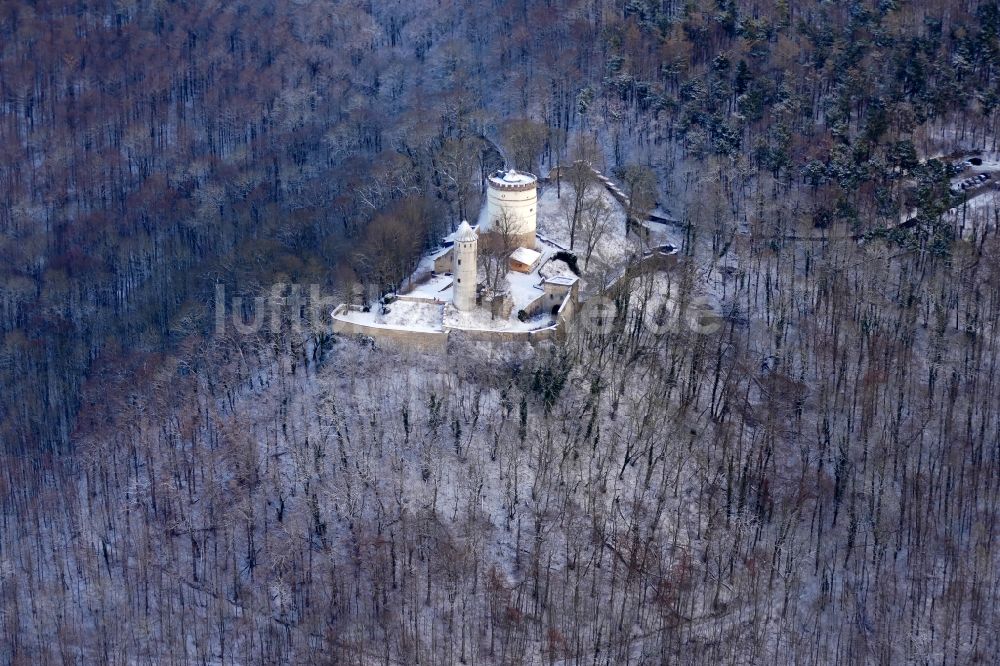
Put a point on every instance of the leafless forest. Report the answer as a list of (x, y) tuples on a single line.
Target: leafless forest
[(812, 479)]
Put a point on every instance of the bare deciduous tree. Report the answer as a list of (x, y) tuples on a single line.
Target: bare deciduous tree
[(495, 247), (525, 139), (640, 187), (458, 170), (581, 177), (596, 221)]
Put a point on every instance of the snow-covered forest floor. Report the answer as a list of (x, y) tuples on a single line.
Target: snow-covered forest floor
[(632, 494), (782, 449)]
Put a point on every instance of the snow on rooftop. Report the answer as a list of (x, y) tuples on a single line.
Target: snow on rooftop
[(564, 280), (524, 288), (440, 252), (512, 177), (465, 233), (525, 255)]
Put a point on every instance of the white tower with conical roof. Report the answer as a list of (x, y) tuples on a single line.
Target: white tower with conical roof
[(465, 269)]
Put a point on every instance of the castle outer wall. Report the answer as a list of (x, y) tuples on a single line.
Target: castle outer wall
[(423, 340)]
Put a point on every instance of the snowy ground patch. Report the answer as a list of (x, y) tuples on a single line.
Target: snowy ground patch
[(976, 216), (411, 315), (432, 287), (480, 320), (614, 246)]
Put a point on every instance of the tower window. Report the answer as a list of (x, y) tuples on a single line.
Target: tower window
[(460, 280), (459, 262)]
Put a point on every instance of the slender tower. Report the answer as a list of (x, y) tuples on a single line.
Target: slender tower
[(465, 271)]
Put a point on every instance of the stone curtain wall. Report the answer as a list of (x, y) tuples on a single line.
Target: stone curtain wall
[(530, 337), (438, 340), (430, 340)]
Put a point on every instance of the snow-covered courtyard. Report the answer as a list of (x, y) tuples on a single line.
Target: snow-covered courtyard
[(412, 315)]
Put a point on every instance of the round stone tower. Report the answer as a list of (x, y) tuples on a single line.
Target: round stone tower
[(464, 269), (512, 206)]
